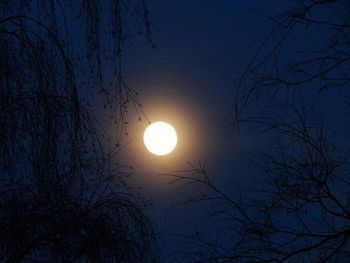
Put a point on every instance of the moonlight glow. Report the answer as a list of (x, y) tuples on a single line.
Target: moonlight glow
[(160, 138)]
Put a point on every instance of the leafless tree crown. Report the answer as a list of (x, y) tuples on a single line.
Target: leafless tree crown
[(63, 198), (301, 212)]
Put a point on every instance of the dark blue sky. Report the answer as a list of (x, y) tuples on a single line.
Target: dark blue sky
[(186, 80), (200, 46)]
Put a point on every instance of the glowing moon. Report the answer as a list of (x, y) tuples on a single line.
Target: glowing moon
[(160, 138)]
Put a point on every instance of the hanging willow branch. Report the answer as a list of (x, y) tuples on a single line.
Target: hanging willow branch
[(63, 198)]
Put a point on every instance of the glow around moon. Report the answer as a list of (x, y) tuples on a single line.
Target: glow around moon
[(160, 138)]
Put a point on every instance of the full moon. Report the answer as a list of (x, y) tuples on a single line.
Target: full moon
[(160, 138)]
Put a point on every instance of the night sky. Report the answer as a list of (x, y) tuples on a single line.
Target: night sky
[(187, 80)]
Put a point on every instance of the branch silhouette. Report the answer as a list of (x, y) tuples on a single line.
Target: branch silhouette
[(299, 211), (63, 196)]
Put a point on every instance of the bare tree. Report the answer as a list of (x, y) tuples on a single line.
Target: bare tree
[(63, 198), (300, 212)]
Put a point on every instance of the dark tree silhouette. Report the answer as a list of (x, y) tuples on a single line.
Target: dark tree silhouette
[(300, 211), (63, 198)]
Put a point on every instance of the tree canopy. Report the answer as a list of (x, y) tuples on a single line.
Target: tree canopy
[(63, 197)]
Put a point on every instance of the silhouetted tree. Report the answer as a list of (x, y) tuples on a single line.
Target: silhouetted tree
[(63, 198), (300, 211)]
